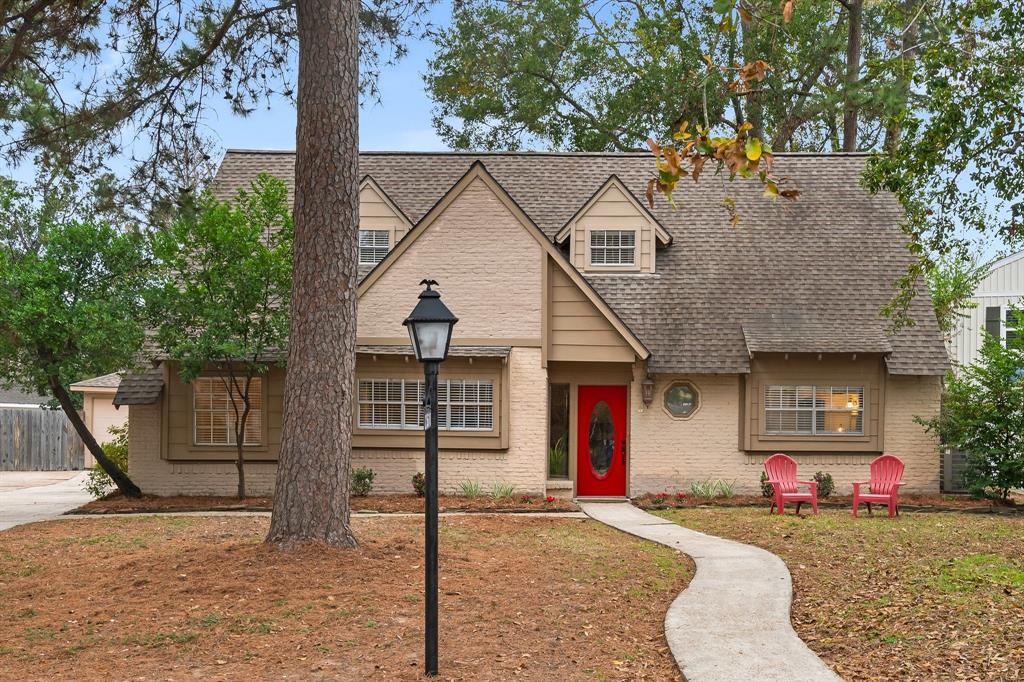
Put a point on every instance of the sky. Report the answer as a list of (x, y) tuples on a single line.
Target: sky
[(401, 121)]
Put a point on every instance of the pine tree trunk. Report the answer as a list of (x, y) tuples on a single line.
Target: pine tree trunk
[(311, 498), (855, 10), (120, 478)]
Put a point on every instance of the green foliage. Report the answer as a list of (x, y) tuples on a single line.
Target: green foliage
[(983, 415), (502, 491), (952, 279), (558, 458), (471, 489), (362, 481), (222, 300), (98, 482), (419, 484), (767, 490), (703, 488), (725, 488), (826, 486), (70, 304)]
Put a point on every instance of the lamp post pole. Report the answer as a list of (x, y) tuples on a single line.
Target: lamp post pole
[(430, 331), (430, 584)]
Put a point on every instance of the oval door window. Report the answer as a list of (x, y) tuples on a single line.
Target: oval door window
[(602, 438)]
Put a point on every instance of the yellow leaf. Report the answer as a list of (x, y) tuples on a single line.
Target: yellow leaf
[(753, 148), (787, 10)]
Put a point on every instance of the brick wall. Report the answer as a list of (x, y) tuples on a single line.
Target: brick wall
[(668, 454), (522, 465), (488, 266)]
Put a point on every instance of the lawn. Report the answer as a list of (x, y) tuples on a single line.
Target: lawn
[(924, 596), (175, 598)]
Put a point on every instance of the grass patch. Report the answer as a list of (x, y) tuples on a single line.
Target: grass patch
[(978, 571)]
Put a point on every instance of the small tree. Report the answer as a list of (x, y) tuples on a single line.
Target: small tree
[(983, 415), (70, 304), (223, 303)]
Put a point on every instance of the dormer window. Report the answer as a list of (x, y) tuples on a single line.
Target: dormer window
[(613, 247), (373, 246)]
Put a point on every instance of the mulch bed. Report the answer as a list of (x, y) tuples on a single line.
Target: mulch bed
[(176, 598), (918, 597), (909, 502), (384, 504)]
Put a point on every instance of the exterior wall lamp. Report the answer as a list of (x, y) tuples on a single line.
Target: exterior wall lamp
[(647, 390)]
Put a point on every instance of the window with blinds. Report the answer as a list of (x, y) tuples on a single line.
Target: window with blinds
[(373, 246), (463, 405), (813, 410), (612, 247), (214, 415)]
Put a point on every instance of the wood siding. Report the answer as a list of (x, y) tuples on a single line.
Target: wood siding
[(613, 210), (577, 330), (1003, 287), (376, 213)]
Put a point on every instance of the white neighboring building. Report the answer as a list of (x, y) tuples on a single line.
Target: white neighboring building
[(1001, 288)]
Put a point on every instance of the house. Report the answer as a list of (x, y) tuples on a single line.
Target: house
[(993, 301), (654, 346), (98, 409)]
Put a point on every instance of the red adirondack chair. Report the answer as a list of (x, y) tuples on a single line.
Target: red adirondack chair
[(884, 486), (781, 470)]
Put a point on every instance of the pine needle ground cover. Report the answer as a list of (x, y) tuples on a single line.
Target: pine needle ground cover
[(183, 598), (920, 597)]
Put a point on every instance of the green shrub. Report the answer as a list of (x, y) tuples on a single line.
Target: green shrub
[(725, 488), (766, 488), (703, 488), (471, 489), (98, 483), (826, 486), (362, 481), (502, 491), (419, 484)]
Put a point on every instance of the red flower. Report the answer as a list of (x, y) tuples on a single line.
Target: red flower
[(525, 498), (661, 497), (549, 499), (680, 495)]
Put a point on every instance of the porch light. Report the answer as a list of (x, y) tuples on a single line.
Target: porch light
[(430, 325), (647, 391), (430, 330)]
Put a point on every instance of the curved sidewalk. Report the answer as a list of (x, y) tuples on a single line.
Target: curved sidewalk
[(732, 622)]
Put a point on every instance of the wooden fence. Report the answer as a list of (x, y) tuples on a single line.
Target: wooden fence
[(32, 439)]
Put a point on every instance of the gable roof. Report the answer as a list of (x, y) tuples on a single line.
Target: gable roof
[(833, 255), (477, 171), (663, 236), (108, 381)]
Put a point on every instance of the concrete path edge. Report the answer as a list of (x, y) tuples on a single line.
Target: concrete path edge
[(732, 622)]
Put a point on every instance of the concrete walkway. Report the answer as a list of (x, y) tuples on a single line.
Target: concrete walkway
[(732, 622), (45, 500)]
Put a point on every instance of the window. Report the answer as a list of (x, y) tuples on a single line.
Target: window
[(814, 410), (373, 246), (1004, 325), (214, 414), (558, 431), (681, 400), (463, 405), (612, 247)]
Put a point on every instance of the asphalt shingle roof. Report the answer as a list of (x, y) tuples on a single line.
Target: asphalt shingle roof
[(105, 381), (142, 388), (831, 256)]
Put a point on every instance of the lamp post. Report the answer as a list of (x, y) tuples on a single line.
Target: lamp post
[(430, 330)]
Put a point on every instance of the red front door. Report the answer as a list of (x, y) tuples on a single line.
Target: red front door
[(601, 441)]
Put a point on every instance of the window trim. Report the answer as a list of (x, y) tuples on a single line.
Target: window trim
[(591, 232), (215, 378), (1004, 322), (377, 232), (698, 402), (815, 410)]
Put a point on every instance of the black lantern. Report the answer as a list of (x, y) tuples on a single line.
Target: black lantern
[(430, 330), (430, 325)]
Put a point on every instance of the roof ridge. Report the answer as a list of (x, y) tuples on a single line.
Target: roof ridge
[(460, 152)]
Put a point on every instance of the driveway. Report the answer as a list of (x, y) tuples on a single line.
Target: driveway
[(29, 496)]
